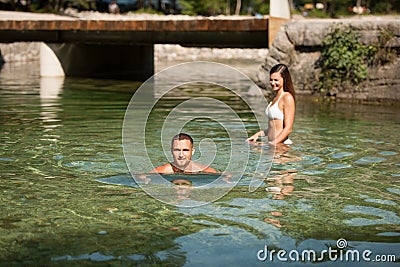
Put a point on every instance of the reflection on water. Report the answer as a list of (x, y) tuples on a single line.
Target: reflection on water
[(59, 138), (50, 90)]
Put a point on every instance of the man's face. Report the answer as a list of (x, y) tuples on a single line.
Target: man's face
[(182, 151)]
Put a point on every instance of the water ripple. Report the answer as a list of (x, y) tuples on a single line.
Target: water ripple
[(310, 160), (312, 172), (386, 217), (388, 153), (337, 166), (389, 234), (342, 155), (368, 160), (394, 190), (378, 201)]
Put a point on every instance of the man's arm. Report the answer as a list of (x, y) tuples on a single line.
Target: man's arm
[(210, 170)]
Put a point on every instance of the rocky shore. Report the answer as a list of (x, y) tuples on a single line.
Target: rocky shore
[(298, 45)]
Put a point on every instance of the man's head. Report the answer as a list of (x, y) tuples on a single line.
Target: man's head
[(182, 150)]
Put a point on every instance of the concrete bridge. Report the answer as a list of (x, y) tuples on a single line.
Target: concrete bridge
[(122, 46), (243, 32)]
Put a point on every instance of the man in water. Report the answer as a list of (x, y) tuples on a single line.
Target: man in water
[(182, 150)]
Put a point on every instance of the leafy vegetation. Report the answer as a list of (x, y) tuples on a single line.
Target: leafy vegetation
[(344, 60), (384, 52), (330, 8), (335, 8), (225, 7)]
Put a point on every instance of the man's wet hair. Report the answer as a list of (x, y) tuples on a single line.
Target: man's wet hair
[(181, 136)]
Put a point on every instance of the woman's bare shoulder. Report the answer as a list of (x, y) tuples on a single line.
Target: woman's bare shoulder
[(288, 98)]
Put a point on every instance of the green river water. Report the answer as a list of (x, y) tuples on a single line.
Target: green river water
[(61, 140)]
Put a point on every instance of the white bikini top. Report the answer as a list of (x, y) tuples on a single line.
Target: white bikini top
[(273, 112)]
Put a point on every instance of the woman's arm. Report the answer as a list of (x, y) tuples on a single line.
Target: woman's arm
[(255, 136), (289, 107)]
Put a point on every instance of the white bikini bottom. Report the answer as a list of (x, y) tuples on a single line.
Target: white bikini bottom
[(288, 142)]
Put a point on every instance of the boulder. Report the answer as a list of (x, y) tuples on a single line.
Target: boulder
[(299, 44)]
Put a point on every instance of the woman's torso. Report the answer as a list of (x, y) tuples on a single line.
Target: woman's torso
[(275, 117)]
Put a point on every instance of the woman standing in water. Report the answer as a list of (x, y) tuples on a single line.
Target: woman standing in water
[(280, 111)]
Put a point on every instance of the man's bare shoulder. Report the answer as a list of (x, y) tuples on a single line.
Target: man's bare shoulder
[(210, 170), (166, 168), (197, 167)]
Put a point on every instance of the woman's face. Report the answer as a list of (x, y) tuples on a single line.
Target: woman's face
[(276, 81)]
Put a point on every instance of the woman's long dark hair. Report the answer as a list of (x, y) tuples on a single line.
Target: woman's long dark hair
[(287, 79)]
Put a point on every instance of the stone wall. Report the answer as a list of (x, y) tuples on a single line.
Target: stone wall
[(298, 45), (19, 52), (246, 60), (25, 51)]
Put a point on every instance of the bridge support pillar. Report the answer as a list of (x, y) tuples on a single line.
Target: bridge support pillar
[(279, 14), (50, 65), (133, 62)]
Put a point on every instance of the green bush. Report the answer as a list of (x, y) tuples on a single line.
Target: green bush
[(384, 52), (344, 60), (204, 8)]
